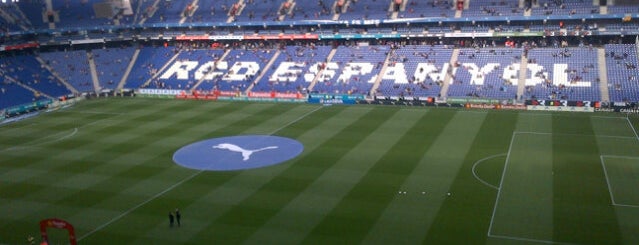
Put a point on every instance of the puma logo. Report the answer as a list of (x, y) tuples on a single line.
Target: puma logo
[(246, 154)]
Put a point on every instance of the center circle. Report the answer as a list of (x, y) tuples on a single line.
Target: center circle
[(237, 152)]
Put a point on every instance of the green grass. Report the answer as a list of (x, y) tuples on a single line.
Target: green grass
[(106, 167)]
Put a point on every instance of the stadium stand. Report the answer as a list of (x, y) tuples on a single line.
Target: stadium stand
[(352, 70), (424, 67), (482, 8), (34, 10), (350, 52), (147, 65), (193, 58), (111, 64), (422, 9), (12, 94), (294, 69), (621, 63), (72, 66), (481, 73), (244, 64), (169, 11), (29, 72), (564, 73), (256, 10)]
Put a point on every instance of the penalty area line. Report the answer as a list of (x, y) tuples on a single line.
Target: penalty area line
[(523, 239), (130, 210)]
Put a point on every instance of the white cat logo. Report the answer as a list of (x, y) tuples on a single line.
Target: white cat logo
[(246, 154)]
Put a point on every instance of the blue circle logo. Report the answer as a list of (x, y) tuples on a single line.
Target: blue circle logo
[(237, 152)]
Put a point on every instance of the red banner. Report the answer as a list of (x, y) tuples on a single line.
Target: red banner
[(282, 37), (59, 224)]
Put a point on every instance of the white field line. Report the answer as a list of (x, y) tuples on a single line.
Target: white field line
[(501, 183), (522, 239), (75, 131), (612, 197), (93, 112), (116, 218), (626, 205), (623, 157), (633, 128), (475, 173), (589, 135), (603, 165), (29, 144)]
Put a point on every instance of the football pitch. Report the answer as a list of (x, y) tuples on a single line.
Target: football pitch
[(366, 175)]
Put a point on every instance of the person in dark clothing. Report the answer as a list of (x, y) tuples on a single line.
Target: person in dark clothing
[(177, 216), (171, 219)]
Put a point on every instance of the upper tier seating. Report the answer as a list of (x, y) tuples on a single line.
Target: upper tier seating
[(565, 7), (169, 11), (210, 11), (307, 10), (367, 10), (259, 10), (483, 8), (430, 8)]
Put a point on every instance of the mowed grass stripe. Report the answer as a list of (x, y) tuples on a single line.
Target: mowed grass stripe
[(351, 219), (220, 198), (407, 218), (621, 148), (524, 208), (45, 130), (473, 202), (94, 157), (246, 217), (582, 210), (335, 183), (68, 195), (152, 187)]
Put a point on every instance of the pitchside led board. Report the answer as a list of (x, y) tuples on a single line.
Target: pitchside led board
[(578, 103)]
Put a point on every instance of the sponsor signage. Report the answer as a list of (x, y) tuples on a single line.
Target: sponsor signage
[(495, 106), (275, 95), (197, 37), (578, 103), (358, 36), (281, 37), (150, 91), (477, 101), (87, 41), (226, 37), (19, 46), (468, 34), (334, 99), (27, 107), (260, 99), (559, 108)]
